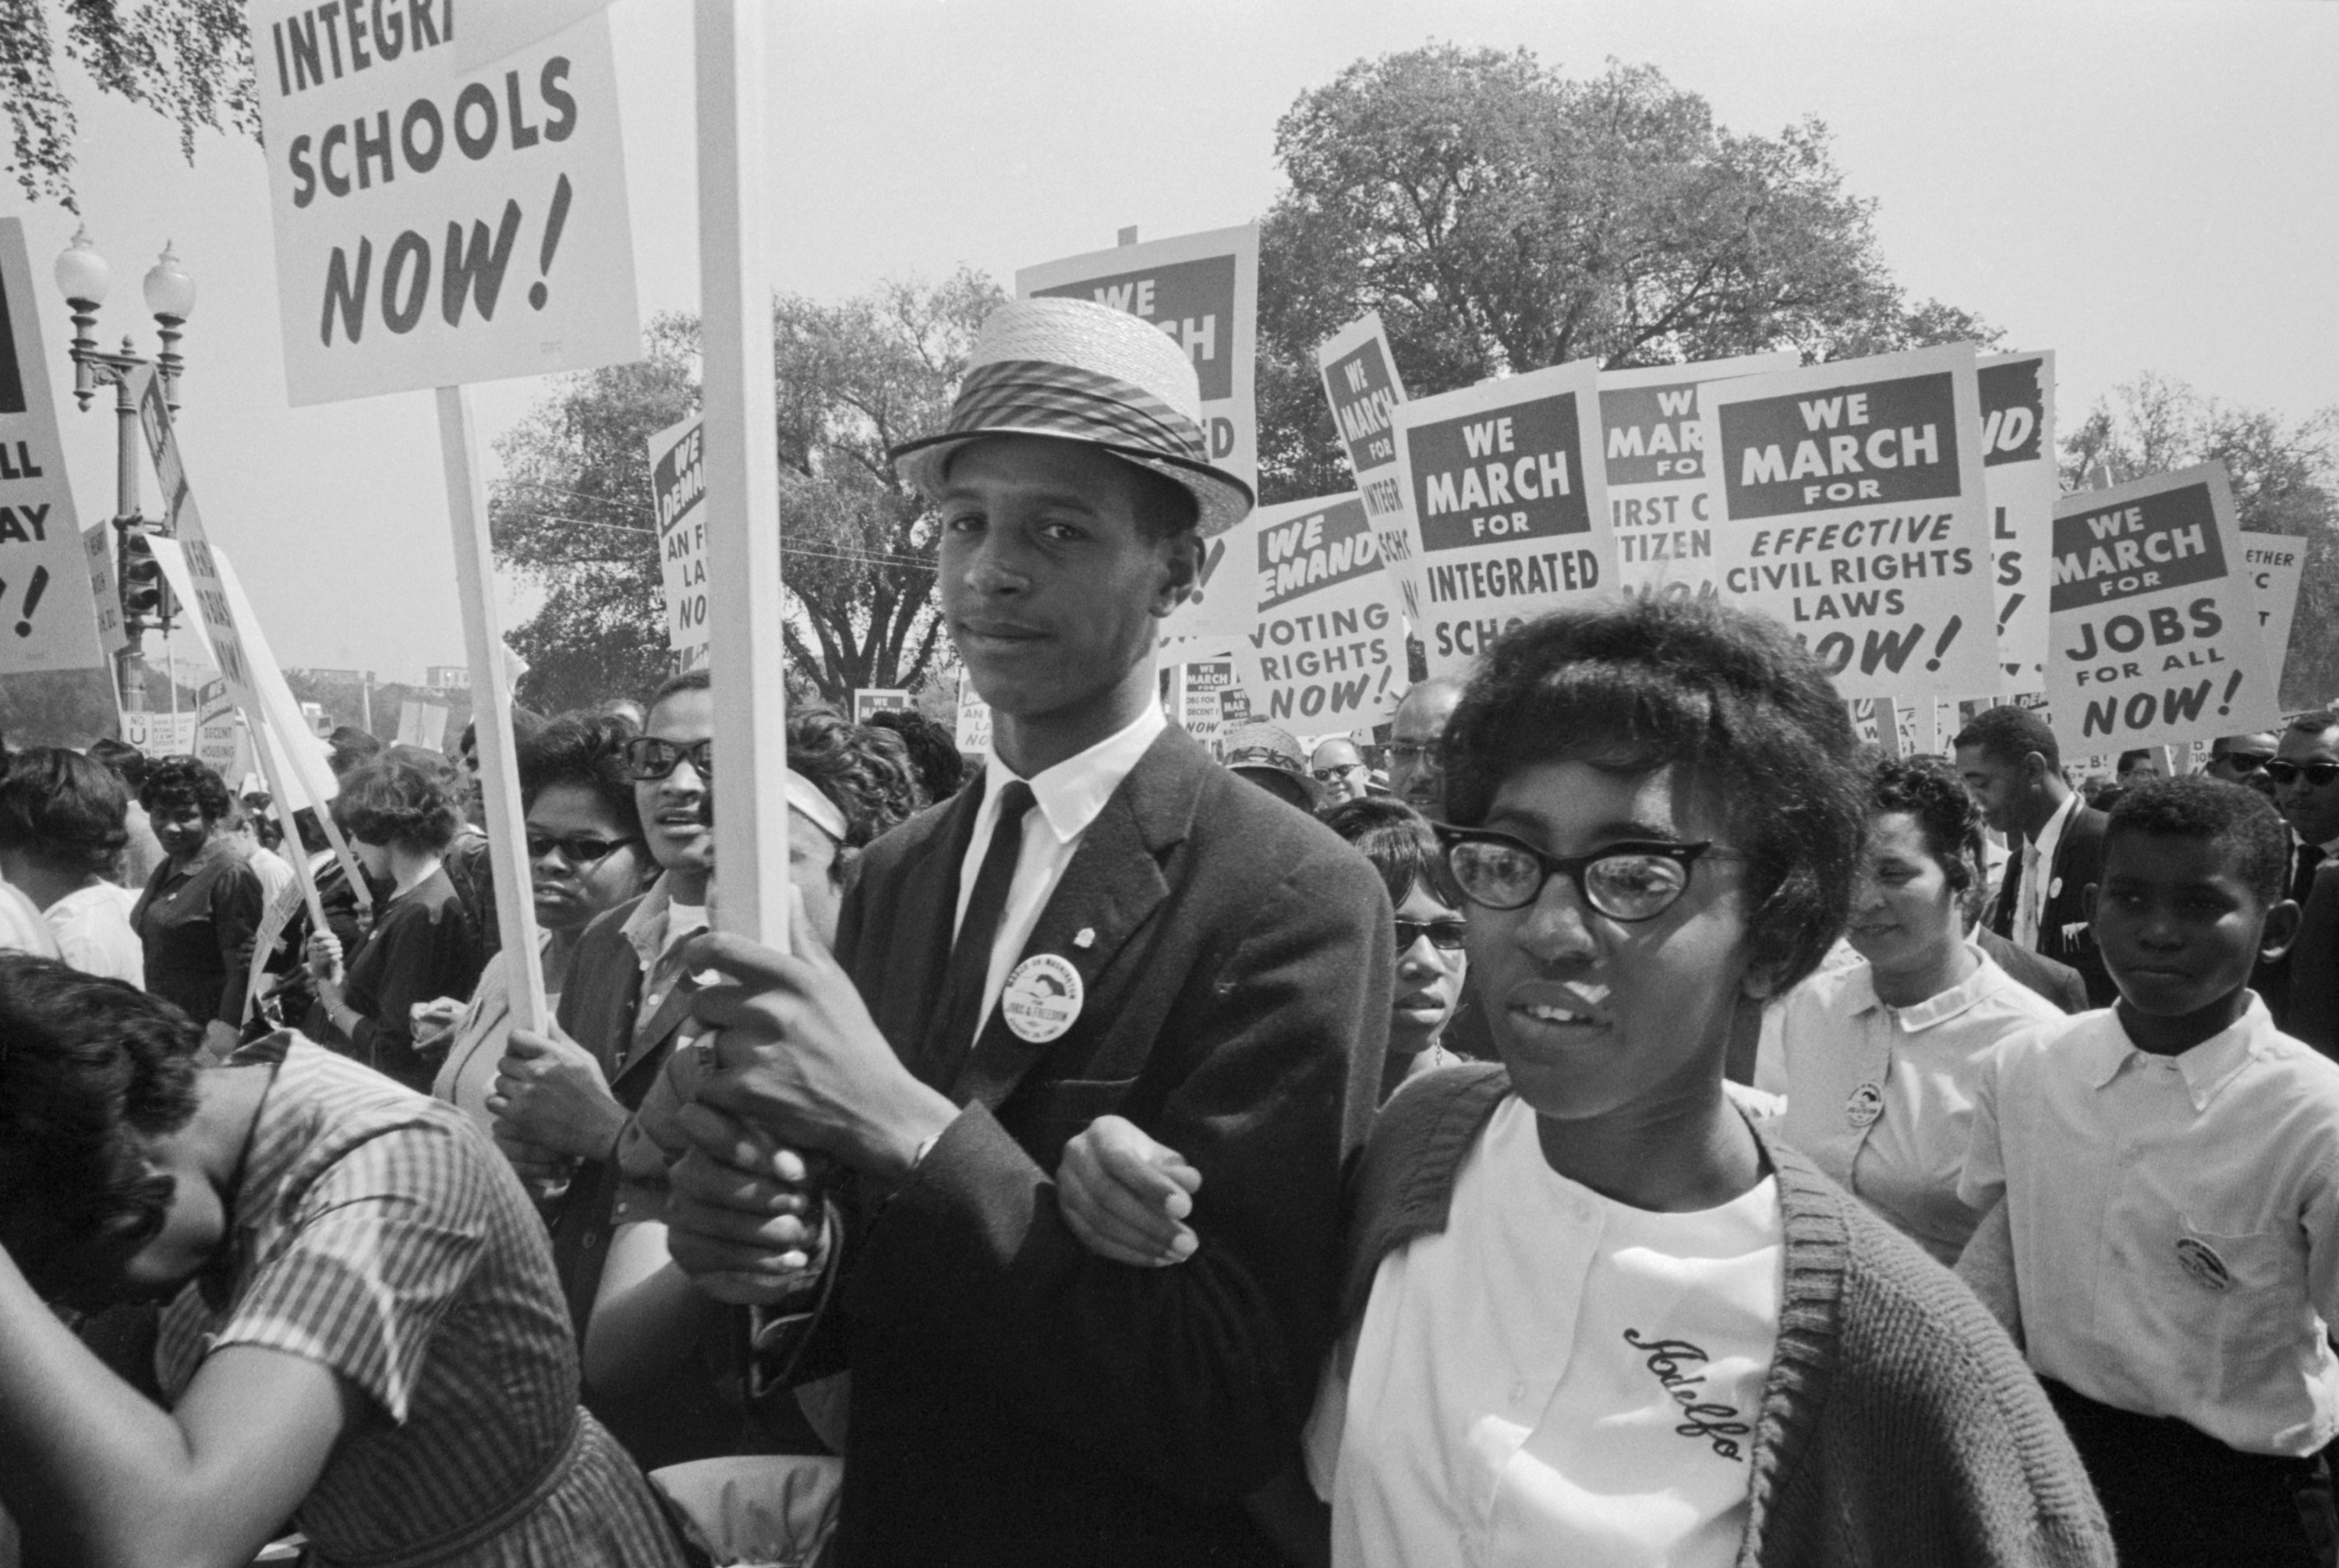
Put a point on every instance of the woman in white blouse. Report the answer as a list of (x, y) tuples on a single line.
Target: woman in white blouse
[(1874, 1056), (61, 832)]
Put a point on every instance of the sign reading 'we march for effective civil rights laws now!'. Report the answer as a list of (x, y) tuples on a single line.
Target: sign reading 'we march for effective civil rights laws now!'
[(1850, 505), (434, 225)]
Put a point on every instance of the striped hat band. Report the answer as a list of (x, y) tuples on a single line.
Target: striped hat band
[(1066, 400)]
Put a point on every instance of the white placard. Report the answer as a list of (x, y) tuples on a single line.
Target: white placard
[(677, 484), (2018, 442), (45, 620), (1324, 647), (1362, 385), (1651, 440), (2154, 633), (436, 226), (2277, 565), (1502, 511), (1203, 291), (973, 719), (1850, 505)]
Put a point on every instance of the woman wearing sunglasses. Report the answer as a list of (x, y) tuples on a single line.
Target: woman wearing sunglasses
[(585, 857), (401, 812), (1593, 1315), (1431, 961)]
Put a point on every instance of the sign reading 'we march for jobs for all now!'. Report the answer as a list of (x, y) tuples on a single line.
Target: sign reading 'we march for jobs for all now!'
[(437, 225), (2153, 633)]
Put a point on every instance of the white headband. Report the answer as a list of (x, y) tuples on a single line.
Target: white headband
[(805, 795)]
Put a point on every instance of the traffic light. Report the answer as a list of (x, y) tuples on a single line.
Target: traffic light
[(146, 596)]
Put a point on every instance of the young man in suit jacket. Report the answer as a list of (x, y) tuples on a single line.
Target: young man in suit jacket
[(1109, 922), (2012, 763)]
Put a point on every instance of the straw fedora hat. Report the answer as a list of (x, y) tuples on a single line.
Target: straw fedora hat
[(1081, 371)]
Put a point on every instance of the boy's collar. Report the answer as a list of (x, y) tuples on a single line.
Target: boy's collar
[(2207, 1067)]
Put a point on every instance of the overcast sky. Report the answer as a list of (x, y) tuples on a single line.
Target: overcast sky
[(2139, 186)]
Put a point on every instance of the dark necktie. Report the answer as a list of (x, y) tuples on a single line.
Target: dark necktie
[(970, 958), (2009, 892)]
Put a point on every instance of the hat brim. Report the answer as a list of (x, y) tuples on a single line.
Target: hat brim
[(1220, 499)]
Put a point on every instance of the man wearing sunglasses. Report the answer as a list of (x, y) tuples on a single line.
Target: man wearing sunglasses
[(2304, 775), (1339, 771), (628, 991), (2242, 760)]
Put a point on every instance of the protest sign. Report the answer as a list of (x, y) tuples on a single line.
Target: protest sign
[(1652, 443), (44, 624), (491, 31), (1325, 643), (2153, 633), (973, 719), (1503, 513), (1199, 683), (1850, 505), (421, 723), (677, 484), (436, 226), (105, 592), (870, 700), (161, 735), (2017, 442), (1361, 380), (1203, 291), (2277, 565)]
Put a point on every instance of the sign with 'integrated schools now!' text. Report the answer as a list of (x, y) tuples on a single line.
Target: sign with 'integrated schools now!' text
[(1202, 291), (1653, 442), (1850, 504), (1325, 651), (2153, 624), (1504, 516), (437, 225)]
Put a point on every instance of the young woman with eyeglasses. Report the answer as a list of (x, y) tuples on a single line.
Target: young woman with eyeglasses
[(585, 857), (1431, 930), (1593, 1313)]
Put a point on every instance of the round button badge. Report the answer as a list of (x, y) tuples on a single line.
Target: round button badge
[(2201, 1261), (1866, 1104), (1043, 998)]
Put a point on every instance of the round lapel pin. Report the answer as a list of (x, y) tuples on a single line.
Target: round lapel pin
[(1865, 1105), (2201, 1261), (1043, 998)]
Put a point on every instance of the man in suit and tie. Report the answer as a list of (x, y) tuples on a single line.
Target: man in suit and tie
[(2010, 761), (1108, 922), (2304, 774)]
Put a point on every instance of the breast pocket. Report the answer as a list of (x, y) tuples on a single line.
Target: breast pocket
[(2242, 1290)]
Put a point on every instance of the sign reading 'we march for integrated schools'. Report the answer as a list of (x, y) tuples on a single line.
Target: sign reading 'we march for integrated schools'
[(1850, 504), (437, 225), (1505, 518), (2153, 633), (1362, 384)]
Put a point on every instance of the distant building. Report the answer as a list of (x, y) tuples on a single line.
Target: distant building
[(448, 677)]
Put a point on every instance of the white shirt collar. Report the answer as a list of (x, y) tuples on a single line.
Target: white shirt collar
[(1985, 982), (2051, 835), (651, 928), (2206, 1068), (1072, 793)]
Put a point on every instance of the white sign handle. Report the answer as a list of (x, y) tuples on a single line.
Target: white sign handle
[(491, 707), (745, 612)]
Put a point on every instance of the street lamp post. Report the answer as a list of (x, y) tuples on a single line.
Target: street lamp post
[(82, 277)]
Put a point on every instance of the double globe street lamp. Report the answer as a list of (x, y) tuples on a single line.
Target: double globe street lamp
[(84, 278)]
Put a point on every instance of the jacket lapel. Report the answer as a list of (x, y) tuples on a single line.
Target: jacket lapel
[(1112, 885)]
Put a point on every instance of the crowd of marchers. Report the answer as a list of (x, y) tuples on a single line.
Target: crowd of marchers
[(1614, 1119)]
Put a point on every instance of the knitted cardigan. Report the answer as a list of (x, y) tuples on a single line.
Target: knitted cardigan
[(1898, 1425)]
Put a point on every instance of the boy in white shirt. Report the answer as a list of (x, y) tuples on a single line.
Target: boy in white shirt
[(2170, 1171)]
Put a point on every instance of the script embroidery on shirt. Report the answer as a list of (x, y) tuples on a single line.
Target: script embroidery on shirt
[(1680, 1366)]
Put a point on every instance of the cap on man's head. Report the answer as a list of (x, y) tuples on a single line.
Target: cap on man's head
[(1080, 372)]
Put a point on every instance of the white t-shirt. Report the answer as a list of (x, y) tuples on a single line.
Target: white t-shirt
[(21, 927), (92, 925), (1555, 1377)]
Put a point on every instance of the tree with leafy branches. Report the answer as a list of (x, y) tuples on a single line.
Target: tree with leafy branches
[(2285, 480), (1502, 217)]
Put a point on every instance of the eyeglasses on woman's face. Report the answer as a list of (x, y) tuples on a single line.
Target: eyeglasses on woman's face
[(1629, 881), (650, 759), (577, 848), (1447, 935)]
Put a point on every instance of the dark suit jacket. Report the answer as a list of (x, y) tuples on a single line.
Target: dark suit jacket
[(1015, 1398), (2314, 965), (2077, 865), (2058, 982), (2277, 981)]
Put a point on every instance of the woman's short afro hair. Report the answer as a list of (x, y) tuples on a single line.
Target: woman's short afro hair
[(1732, 698), (173, 782)]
